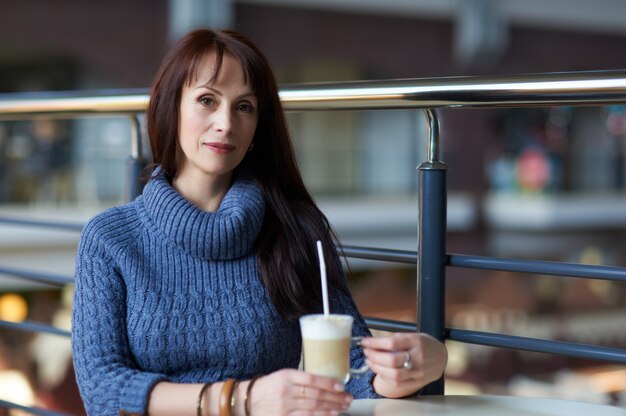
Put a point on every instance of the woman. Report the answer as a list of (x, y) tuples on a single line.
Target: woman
[(187, 299)]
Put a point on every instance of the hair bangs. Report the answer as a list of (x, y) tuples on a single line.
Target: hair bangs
[(196, 63)]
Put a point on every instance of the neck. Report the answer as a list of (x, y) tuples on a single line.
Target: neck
[(204, 191)]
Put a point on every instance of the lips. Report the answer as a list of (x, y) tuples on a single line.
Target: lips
[(219, 148)]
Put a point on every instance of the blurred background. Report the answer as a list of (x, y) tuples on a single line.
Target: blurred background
[(545, 183)]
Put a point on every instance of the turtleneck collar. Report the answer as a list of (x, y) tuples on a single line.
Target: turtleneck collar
[(226, 234)]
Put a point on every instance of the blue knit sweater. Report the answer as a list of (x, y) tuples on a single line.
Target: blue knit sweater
[(166, 291)]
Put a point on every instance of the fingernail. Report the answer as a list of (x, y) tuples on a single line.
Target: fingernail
[(338, 387)]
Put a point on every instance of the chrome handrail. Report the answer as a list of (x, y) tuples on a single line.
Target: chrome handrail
[(552, 89), (15, 106)]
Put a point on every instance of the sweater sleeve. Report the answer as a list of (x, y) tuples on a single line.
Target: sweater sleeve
[(108, 379)]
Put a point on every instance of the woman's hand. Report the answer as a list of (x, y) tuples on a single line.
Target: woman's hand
[(404, 363), (293, 392)]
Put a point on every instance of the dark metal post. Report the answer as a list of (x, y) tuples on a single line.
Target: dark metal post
[(432, 244), (136, 163)]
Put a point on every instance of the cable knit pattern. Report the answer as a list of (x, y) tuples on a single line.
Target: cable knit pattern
[(166, 291)]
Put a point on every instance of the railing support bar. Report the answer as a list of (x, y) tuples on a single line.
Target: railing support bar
[(136, 162), (433, 135), (31, 410), (431, 257), (568, 349), (389, 325)]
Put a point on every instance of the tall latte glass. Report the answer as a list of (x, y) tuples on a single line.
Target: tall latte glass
[(326, 345)]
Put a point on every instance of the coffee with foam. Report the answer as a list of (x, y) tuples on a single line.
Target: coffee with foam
[(322, 327), (326, 345)]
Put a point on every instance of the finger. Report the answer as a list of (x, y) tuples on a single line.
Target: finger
[(315, 413), (385, 358), (392, 343), (308, 393), (311, 380), (393, 376)]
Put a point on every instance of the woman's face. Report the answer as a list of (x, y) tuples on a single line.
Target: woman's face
[(217, 120)]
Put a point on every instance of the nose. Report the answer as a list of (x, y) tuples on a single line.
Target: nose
[(222, 121)]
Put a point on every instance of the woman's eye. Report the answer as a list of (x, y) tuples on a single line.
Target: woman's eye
[(246, 107), (208, 101)]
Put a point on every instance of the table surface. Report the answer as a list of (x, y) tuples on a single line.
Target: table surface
[(483, 405)]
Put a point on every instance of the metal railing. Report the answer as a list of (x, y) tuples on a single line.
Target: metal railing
[(580, 88)]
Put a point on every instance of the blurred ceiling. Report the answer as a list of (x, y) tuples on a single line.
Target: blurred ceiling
[(599, 16)]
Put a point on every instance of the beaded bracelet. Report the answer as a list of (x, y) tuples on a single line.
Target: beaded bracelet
[(246, 407), (225, 393), (200, 407)]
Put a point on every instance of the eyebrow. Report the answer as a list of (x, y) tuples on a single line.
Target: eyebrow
[(249, 93)]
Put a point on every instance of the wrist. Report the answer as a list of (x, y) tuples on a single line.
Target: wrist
[(393, 391)]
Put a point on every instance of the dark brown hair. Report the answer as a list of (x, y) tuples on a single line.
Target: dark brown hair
[(285, 249)]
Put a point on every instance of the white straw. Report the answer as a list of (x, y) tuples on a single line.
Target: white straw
[(320, 254)]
